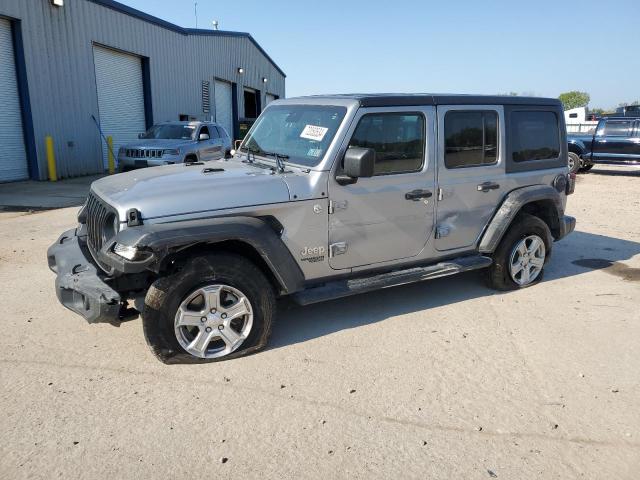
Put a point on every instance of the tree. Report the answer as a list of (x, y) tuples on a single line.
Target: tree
[(574, 99)]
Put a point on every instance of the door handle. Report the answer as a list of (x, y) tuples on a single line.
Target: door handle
[(418, 194), (486, 186)]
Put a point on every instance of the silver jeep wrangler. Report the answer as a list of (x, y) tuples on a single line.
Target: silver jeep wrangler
[(326, 197)]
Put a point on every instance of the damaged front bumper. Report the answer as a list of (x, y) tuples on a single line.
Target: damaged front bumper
[(79, 284)]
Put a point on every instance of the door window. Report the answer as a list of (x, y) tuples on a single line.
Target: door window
[(397, 138), (221, 132), (204, 131), (617, 128), (471, 138)]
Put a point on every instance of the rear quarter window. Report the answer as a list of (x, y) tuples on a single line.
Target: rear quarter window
[(535, 135)]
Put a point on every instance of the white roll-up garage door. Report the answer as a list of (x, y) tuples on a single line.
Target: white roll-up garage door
[(224, 106), (120, 97), (13, 157)]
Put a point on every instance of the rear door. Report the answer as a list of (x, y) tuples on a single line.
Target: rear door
[(471, 172), (613, 140)]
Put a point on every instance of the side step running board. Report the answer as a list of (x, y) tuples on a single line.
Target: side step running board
[(345, 288)]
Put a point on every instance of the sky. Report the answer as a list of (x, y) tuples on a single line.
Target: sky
[(535, 47)]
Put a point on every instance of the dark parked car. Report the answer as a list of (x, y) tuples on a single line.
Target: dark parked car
[(616, 141)]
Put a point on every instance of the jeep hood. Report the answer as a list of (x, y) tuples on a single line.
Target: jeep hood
[(191, 188)]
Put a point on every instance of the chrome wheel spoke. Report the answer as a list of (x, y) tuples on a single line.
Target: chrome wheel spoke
[(187, 318), (516, 268), (211, 297), (230, 337), (238, 310), (525, 275), (522, 248), (537, 262), (534, 245), (200, 343)]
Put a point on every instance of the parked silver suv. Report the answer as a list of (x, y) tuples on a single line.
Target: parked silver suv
[(326, 197), (175, 142)]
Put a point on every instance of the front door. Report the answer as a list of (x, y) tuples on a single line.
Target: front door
[(388, 216), (471, 172), (209, 149)]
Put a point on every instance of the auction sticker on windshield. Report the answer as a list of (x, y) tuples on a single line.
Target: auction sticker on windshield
[(314, 132)]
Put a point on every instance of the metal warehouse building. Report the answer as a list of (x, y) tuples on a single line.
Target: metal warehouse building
[(61, 64)]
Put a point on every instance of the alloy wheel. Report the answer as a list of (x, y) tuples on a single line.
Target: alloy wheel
[(527, 260), (213, 321)]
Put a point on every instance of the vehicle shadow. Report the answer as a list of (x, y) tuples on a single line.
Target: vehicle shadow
[(577, 254)]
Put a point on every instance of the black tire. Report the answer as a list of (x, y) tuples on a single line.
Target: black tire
[(166, 294), (190, 159), (574, 162), (524, 225), (586, 168)]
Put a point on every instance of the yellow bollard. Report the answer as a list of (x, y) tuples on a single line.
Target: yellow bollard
[(112, 162), (51, 159)]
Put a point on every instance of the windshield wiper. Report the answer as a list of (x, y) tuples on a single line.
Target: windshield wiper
[(280, 158)]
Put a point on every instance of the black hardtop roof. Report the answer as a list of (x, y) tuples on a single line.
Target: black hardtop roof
[(414, 99)]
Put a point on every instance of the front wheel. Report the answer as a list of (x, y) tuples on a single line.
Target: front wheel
[(575, 163), (216, 307), (519, 260), (585, 168)]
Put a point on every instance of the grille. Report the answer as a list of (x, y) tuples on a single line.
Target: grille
[(100, 223), (143, 153)]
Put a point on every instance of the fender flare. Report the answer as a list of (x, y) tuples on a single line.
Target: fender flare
[(579, 146), (509, 209), (164, 240)]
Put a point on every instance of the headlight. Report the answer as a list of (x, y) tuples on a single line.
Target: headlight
[(173, 151), (125, 251)]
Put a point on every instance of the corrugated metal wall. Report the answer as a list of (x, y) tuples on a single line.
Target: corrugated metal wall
[(58, 44)]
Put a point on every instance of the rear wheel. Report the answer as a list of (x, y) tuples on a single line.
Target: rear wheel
[(519, 260), (216, 307)]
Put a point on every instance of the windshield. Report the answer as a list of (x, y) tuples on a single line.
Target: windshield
[(300, 134), (170, 132)]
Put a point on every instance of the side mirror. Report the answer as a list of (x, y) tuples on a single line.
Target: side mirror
[(140, 135), (358, 163), (203, 136)]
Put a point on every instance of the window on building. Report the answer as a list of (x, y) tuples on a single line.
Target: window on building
[(471, 138), (535, 135), (573, 115), (614, 128), (397, 138)]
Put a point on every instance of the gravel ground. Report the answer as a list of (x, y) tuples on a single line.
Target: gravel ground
[(444, 379)]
